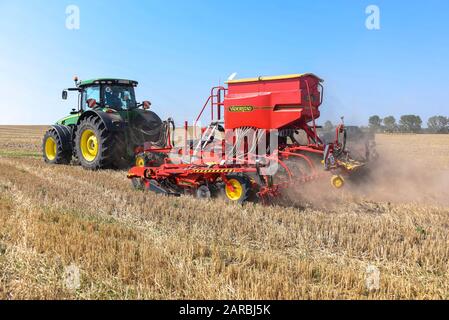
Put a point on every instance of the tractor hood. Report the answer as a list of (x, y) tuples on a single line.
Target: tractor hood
[(69, 120)]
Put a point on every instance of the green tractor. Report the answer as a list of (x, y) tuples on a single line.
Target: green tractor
[(106, 130)]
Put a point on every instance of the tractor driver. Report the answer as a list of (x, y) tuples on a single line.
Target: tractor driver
[(128, 102), (112, 98)]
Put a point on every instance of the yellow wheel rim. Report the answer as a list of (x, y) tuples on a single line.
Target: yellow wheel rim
[(50, 148), (140, 161), (337, 181), (89, 145), (235, 194)]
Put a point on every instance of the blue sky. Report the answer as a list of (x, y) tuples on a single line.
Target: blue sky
[(177, 50)]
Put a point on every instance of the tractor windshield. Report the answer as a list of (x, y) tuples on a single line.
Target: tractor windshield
[(119, 97)]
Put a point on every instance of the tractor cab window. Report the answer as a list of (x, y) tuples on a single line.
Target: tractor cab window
[(91, 93), (119, 97)]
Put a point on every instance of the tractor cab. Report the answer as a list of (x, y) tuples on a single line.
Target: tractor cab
[(115, 94), (106, 93), (119, 97)]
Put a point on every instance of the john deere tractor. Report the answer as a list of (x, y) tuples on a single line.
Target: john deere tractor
[(105, 129)]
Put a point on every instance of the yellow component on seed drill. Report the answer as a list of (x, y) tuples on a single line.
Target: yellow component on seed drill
[(337, 182), (351, 165)]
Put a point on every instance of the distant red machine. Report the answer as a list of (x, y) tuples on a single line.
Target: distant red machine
[(233, 152)]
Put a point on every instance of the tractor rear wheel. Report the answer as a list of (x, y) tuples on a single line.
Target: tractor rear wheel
[(240, 190), (52, 149), (97, 147)]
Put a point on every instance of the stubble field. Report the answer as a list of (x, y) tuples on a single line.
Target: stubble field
[(60, 221)]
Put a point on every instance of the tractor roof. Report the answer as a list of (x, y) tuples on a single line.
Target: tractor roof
[(282, 77), (108, 81)]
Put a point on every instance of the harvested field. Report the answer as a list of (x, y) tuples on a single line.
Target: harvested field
[(126, 244)]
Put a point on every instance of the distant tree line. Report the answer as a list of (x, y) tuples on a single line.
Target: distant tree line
[(409, 123)]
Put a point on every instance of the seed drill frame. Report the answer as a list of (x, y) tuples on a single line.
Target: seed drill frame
[(247, 116)]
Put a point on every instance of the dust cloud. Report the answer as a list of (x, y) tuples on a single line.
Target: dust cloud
[(391, 178), (399, 179)]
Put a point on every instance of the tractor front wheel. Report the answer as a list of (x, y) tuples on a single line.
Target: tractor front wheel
[(53, 150)]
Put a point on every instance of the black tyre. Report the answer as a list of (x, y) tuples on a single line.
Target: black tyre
[(98, 148), (53, 150), (203, 192)]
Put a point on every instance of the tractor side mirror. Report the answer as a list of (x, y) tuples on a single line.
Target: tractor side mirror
[(146, 105), (91, 103), (64, 94)]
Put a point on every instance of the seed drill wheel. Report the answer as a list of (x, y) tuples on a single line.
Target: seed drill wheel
[(141, 160), (138, 184), (337, 182), (96, 147), (203, 192), (240, 190), (52, 149)]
